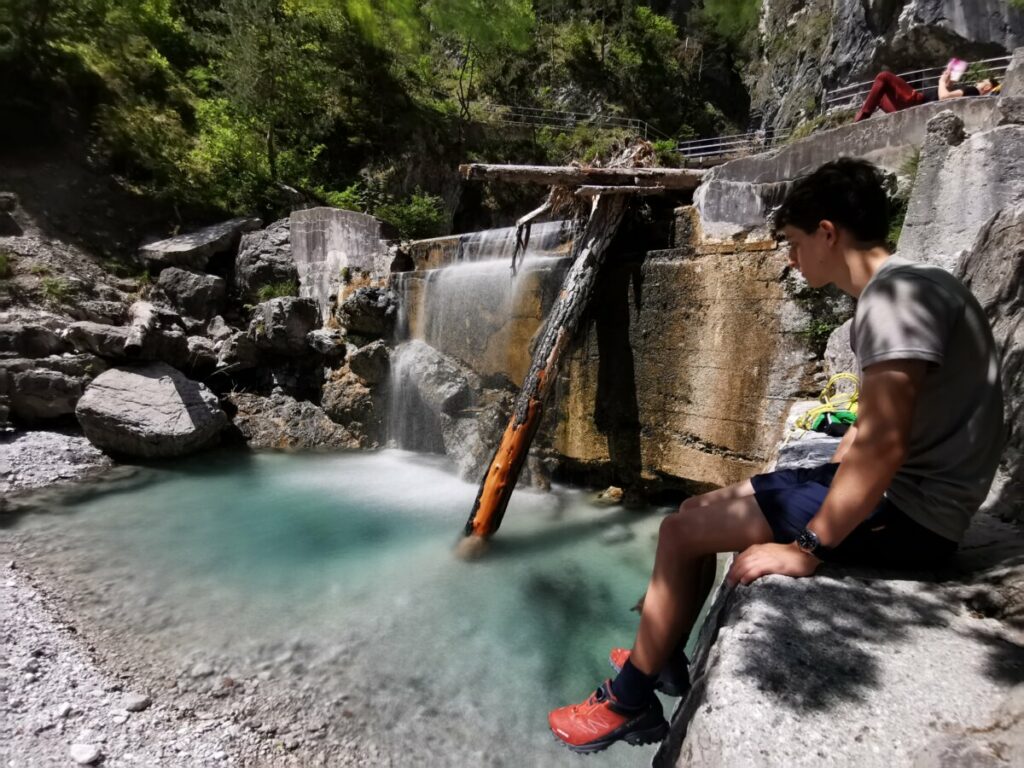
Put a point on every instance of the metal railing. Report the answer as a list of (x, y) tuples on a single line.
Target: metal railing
[(553, 118), (854, 94), (733, 144)]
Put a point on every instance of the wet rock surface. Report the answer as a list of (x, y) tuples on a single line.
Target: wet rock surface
[(369, 312), (149, 412), (371, 362)]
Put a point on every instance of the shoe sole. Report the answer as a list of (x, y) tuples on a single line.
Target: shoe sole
[(662, 685), (654, 735)]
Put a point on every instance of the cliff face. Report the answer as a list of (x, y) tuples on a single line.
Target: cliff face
[(807, 46)]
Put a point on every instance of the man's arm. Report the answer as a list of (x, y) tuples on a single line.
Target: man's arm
[(879, 448), (844, 444)]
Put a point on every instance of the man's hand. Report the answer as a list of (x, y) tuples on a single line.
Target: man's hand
[(765, 559)]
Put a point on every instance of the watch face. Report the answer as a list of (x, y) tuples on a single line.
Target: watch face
[(807, 541)]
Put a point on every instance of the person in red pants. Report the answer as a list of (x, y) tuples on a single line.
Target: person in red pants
[(892, 93)]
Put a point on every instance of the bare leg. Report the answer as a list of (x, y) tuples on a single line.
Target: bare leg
[(680, 584), (734, 491)]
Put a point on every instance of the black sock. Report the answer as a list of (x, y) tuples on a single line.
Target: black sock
[(632, 687)]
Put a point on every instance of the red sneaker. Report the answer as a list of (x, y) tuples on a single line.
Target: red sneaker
[(600, 721), (673, 680)]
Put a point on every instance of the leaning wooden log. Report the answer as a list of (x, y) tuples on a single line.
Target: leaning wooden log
[(142, 320), (501, 476), (594, 191), (567, 175)]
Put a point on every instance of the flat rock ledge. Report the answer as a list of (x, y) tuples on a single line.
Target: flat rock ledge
[(858, 667)]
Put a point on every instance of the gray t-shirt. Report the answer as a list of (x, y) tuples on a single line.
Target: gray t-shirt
[(912, 311)]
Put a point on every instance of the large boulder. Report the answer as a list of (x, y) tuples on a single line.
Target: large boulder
[(280, 326), (328, 343), (471, 436), (264, 258), (46, 388), (238, 352), (439, 381), (839, 355), (369, 312), (150, 412), (280, 422), (196, 294), (193, 250), (994, 271)]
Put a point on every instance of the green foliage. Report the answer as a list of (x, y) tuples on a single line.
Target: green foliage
[(976, 71), (39, 270), (822, 123), (57, 290), (734, 20), (6, 265), (278, 290), (421, 215)]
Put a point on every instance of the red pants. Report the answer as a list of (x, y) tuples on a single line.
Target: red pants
[(891, 93)]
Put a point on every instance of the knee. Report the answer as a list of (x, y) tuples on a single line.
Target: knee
[(676, 533)]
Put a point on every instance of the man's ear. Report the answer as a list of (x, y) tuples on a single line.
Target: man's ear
[(830, 230)]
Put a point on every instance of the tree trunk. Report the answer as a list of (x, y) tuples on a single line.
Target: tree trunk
[(669, 178), (501, 476)]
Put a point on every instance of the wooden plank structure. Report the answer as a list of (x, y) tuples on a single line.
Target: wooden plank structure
[(609, 191)]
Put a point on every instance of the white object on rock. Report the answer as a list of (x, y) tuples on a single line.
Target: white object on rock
[(85, 754), (136, 702)]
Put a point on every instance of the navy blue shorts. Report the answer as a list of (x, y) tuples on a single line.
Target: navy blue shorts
[(789, 499)]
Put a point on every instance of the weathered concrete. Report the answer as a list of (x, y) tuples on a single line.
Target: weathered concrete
[(330, 245), (735, 197), (861, 667), (702, 397), (961, 183)]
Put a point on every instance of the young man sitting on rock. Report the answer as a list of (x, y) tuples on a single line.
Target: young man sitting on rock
[(903, 483)]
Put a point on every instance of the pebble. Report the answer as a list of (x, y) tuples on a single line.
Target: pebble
[(136, 702), (201, 669), (62, 711), (85, 754)]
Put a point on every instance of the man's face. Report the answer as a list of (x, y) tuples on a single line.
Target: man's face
[(810, 253)]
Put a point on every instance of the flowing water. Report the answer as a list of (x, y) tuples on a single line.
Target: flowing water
[(224, 555)]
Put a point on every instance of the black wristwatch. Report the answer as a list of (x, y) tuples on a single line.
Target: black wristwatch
[(808, 541)]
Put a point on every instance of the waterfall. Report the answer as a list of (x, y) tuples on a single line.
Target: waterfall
[(474, 315)]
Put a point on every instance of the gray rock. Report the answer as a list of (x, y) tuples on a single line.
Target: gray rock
[(329, 343), (348, 401), (137, 702), (1013, 80), (217, 329), (281, 326), (31, 340), (238, 353), (440, 382), (100, 311), (264, 258), (202, 354), (195, 294), (369, 312), (45, 394), (959, 188), (470, 436), (371, 362), (8, 201), (1010, 110), (85, 754), (994, 271), (193, 251), (104, 340), (839, 356), (280, 422), (149, 412)]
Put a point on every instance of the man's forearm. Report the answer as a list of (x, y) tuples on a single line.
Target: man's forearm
[(845, 444), (866, 471)]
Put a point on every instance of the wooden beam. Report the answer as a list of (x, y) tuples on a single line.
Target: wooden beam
[(593, 191), (567, 175)]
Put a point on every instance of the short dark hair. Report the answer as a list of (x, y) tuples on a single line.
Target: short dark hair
[(847, 192)]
